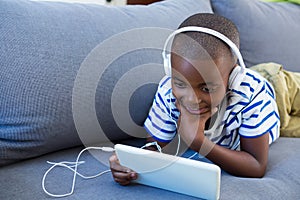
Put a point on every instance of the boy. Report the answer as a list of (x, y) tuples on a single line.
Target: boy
[(205, 87)]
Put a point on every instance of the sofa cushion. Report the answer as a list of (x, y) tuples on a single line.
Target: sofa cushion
[(269, 31), (45, 46), (23, 180)]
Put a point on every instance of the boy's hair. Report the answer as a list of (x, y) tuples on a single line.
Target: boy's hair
[(210, 46)]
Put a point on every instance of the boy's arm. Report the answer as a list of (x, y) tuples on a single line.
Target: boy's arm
[(153, 147), (250, 161), (161, 122)]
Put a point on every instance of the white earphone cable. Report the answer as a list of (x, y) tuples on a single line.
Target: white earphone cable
[(70, 166), (73, 166)]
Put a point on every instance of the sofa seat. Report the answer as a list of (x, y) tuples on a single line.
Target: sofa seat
[(23, 180)]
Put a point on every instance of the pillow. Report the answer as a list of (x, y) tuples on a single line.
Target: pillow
[(269, 31), (45, 48), (290, 1), (287, 88)]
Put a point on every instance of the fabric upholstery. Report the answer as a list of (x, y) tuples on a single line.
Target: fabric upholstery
[(268, 30), (43, 46), (23, 180)]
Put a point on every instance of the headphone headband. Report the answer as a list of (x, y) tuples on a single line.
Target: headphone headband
[(209, 31)]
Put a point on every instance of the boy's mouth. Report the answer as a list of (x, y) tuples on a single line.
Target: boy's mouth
[(196, 110)]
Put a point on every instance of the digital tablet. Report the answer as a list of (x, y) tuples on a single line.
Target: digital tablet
[(177, 174)]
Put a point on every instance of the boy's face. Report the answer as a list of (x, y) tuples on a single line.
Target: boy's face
[(200, 85)]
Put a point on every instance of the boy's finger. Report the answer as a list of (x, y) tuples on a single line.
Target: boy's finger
[(116, 166), (122, 182), (210, 113), (214, 110), (119, 168), (124, 178)]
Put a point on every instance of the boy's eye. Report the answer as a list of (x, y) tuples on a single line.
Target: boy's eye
[(209, 90), (179, 84)]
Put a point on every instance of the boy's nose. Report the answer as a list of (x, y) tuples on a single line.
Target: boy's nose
[(193, 97)]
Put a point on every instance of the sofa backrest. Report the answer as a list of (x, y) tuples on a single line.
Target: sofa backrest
[(269, 31), (45, 48)]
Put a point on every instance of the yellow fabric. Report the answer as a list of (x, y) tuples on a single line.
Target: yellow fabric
[(287, 89), (288, 1)]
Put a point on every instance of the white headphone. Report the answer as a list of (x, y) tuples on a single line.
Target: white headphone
[(235, 50)]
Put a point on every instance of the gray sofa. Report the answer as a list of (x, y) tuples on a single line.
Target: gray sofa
[(75, 75)]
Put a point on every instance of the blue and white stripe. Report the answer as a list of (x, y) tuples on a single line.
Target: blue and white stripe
[(249, 110)]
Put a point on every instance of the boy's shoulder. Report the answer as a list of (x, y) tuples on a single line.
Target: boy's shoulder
[(165, 82), (259, 81), (252, 84), (164, 85), (254, 78)]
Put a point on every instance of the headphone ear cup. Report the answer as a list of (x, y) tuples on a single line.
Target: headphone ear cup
[(167, 64)]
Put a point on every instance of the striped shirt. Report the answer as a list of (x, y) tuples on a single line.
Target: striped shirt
[(248, 110)]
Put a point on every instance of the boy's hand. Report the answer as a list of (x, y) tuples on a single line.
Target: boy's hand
[(122, 175), (191, 127)]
